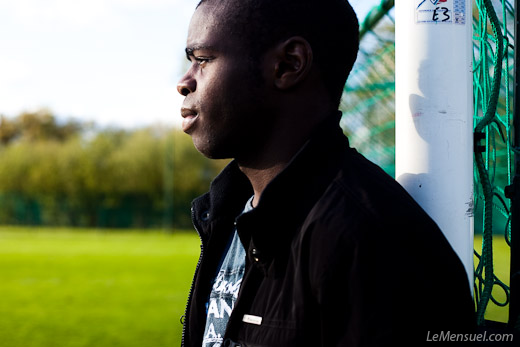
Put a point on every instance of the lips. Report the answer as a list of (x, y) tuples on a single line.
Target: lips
[(189, 116)]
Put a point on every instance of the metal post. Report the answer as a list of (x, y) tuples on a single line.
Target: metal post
[(434, 114)]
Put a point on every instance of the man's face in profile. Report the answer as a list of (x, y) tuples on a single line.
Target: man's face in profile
[(222, 100)]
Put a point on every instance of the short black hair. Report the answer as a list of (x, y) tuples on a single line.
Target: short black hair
[(330, 26)]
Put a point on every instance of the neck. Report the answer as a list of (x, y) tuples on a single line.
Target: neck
[(264, 163), (260, 178), (294, 124), (272, 158)]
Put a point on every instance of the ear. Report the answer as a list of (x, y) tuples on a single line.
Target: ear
[(293, 62)]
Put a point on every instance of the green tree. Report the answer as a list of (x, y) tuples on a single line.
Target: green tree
[(36, 126), (112, 178)]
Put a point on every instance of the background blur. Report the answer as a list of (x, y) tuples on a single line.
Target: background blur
[(89, 114), (96, 179)]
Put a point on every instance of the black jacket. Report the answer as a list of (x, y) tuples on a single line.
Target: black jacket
[(338, 255)]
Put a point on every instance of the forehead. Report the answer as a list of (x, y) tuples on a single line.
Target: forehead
[(209, 27)]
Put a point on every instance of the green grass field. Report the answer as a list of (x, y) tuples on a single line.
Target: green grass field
[(64, 288), (92, 288)]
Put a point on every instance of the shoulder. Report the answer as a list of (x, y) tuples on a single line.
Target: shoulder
[(365, 218), (362, 197), (366, 235)]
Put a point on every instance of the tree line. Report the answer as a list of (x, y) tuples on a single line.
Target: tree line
[(73, 174)]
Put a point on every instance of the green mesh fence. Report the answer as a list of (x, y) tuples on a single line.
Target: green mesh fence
[(369, 112), (492, 81), (368, 102)]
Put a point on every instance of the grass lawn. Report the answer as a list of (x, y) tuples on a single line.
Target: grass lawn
[(68, 288), (65, 288)]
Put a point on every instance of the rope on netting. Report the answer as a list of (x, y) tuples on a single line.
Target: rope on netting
[(486, 264), (374, 16), (496, 281)]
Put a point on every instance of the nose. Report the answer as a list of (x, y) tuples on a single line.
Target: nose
[(186, 84)]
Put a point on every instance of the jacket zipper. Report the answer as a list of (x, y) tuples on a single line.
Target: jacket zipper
[(185, 322)]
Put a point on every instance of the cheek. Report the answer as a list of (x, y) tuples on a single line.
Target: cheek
[(212, 90), (220, 99), (228, 99)]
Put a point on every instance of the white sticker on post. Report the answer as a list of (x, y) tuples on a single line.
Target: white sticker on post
[(252, 319), (440, 11)]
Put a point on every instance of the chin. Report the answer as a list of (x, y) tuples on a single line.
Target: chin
[(210, 151)]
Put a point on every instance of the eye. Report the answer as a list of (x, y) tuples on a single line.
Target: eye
[(202, 60)]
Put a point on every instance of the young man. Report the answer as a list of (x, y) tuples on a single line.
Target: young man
[(304, 241)]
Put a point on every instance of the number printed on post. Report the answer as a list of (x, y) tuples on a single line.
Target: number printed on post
[(440, 11)]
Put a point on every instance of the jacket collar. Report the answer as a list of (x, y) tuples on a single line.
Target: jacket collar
[(286, 200)]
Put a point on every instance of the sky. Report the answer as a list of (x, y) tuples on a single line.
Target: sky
[(113, 62)]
